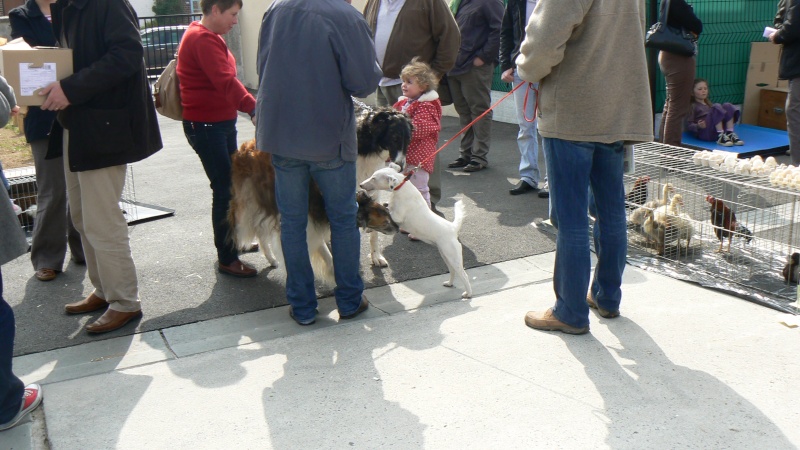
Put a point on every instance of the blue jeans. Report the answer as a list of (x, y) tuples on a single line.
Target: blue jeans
[(528, 138), (214, 143), (337, 181), (11, 387), (572, 169)]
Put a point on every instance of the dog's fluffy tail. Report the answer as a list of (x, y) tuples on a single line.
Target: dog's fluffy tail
[(459, 211)]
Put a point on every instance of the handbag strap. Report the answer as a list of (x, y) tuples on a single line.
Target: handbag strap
[(664, 12)]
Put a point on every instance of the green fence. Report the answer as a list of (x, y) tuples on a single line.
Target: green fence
[(729, 26)]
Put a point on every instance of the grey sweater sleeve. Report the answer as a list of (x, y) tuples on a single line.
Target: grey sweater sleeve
[(7, 101)]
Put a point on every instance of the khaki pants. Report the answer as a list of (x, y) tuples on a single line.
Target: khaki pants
[(94, 205)]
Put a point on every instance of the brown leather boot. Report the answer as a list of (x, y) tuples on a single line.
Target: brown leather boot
[(87, 305)]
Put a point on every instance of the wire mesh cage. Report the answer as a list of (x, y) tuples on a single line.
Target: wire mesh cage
[(712, 224), (24, 190)]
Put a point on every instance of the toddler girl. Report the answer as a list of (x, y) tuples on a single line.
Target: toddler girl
[(712, 121), (421, 102)]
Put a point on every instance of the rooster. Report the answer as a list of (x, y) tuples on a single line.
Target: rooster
[(638, 194), (640, 214), (791, 271), (725, 225)]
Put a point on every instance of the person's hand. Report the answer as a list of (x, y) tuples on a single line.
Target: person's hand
[(508, 75), (56, 99), (15, 110), (477, 62), (254, 119), (772, 37), (701, 124)]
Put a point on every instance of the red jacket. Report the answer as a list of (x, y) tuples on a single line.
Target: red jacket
[(426, 115), (210, 91)]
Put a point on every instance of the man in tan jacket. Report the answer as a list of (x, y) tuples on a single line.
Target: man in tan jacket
[(589, 58)]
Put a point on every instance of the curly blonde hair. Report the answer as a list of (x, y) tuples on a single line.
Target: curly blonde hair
[(422, 72)]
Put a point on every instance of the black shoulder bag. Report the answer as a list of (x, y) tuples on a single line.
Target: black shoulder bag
[(670, 39)]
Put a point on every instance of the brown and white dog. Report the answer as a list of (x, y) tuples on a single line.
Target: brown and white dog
[(383, 133)]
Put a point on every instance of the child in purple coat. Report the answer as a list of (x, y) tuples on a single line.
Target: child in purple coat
[(712, 121)]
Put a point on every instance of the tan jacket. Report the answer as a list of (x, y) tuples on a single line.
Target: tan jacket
[(424, 28), (590, 59)]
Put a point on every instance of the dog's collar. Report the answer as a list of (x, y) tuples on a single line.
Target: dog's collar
[(408, 177)]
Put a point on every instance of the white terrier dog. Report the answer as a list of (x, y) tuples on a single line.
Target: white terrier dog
[(411, 212)]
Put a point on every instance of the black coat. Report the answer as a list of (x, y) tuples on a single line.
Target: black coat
[(111, 118), (28, 22), (681, 15), (512, 32), (789, 36)]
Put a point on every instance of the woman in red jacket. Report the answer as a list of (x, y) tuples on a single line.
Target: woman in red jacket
[(211, 95)]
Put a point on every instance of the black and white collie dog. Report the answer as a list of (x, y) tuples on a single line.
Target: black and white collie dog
[(383, 135)]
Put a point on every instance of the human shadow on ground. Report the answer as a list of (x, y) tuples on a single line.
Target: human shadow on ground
[(330, 391), (649, 399)]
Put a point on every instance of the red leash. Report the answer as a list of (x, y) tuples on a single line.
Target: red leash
[(463, 130)]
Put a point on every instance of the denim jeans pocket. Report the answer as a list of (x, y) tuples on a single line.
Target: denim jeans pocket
[(332, 164)]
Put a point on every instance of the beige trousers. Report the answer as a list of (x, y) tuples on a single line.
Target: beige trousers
[(94, 205)]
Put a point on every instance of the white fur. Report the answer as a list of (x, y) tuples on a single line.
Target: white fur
[(409, 209), (366, 166)]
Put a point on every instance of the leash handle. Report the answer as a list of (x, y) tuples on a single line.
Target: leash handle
[(525, 103)]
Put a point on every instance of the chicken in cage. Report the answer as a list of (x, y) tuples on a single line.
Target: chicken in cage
[(708, 222)]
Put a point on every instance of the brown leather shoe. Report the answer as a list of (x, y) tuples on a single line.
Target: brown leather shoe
[(45, 274), (112, 320), (361, 308), (238, 269), (545, 320), (603, 312), (87, 305)]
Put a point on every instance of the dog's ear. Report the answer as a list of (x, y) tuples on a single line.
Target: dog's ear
[(394, 166), (362, 197), (392, 181)]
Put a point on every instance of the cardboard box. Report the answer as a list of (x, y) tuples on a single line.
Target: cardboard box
[(762, 72), (28, 69)]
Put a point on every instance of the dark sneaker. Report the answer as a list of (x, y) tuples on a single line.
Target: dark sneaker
[(735, 139), (603, 312), (31, 399), (474, 166), (724, 140), (546, 321), (457, 164)]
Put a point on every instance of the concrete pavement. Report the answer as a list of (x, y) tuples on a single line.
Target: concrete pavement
[(683, 367)]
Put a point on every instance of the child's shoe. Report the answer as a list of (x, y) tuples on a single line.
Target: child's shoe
[(734, 138), (724, 140)]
